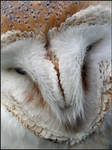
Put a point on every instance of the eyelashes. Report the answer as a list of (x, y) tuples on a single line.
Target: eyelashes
[(20, 71)]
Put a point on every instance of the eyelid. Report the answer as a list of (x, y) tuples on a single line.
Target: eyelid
[(20, 71), (89, 47)]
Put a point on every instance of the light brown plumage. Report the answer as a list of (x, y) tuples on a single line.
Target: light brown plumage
[(39, 16)]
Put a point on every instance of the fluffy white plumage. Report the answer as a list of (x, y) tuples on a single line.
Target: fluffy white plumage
[(77, 107)]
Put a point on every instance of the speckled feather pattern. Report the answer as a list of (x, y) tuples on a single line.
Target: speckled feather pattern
[(37, 16)]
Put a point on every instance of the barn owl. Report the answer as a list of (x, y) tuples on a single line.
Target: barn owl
[(56, 74)]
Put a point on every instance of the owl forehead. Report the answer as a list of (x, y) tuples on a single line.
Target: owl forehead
[(37, 16)]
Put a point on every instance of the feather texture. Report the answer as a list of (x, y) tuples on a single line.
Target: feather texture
[(51, 100)]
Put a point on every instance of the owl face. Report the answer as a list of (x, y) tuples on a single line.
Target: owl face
[(62, 79)]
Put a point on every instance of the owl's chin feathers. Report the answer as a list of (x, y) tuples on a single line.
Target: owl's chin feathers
[(70, 48)]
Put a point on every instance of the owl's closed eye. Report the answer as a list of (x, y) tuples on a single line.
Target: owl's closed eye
[(57, 76)]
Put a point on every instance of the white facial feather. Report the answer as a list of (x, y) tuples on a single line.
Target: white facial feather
[(30, 56), (70, 47), (76, 107)]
